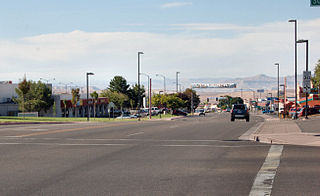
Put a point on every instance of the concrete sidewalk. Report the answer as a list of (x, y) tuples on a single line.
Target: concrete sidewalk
[(276, 131)]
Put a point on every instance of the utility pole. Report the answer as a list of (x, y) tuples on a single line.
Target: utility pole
[(177, 82)]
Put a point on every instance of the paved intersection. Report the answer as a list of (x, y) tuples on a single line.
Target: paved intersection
[(189, 156)]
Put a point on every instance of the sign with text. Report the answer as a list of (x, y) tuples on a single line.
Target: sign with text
[(306, 81), (260, 90), (217, 85), (314, 3)]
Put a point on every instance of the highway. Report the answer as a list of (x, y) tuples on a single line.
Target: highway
[(186, 156)]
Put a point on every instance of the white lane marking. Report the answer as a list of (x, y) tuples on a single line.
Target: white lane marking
[(264, 180), (138, 133), (109, 139), (61, 144), (173, 126), (164, 145)]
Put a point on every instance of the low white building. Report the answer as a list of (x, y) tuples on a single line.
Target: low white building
[(7, 93)]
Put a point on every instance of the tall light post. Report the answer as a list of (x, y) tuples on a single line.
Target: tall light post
[(307, 59), (139, 53), (164, 82), (88, 74), (148, 84), (177, 81), (278, 66), (295, 64)]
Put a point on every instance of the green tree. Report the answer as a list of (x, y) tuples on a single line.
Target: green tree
[(95, 96), (33, 96), (75, 98), (173, 101), (136, 94), (115, 97), (119, 84), (157, 100), (229, 101), (186, 96), (316, 78)]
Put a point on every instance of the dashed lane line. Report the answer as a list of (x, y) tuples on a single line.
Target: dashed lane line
[(264, 180), (73, 129), (138, 133)]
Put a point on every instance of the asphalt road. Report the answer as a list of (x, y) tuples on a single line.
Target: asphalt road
[(188, 156)]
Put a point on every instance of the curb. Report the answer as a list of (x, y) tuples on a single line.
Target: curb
[(29, 123)]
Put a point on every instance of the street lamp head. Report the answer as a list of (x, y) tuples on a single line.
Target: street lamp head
[(90, 73), (276, 64), (140, 53), (178, 72), (302, 41), (292, 20)]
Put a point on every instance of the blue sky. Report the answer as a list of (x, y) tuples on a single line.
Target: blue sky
[(203, 38), (33, 17)]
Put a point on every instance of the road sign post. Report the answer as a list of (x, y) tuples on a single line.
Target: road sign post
[(314, 3)]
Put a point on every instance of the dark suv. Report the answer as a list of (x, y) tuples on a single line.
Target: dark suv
[(240, 111)]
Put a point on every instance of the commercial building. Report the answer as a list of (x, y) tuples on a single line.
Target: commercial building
[(7, 93), (62, 107)]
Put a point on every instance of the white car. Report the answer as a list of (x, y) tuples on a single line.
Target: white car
[(155, 111)]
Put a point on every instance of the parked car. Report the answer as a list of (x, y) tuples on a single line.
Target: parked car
[(240, 111), (127, 116), (179, 112), (199, 112), (292, 111), (155, 111), (267, 111)]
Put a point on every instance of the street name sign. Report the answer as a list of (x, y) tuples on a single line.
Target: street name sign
[(314, 3), (306, 81)]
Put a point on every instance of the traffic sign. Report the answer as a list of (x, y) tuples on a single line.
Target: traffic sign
[(306, 81), (314, 3), (260, 90)]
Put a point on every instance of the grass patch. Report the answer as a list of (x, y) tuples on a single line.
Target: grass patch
[(162, 116)]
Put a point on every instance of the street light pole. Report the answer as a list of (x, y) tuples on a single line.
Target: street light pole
[(307, 62), (278, 88), (148, 84), (177, 82), (295, 64), (139, 53), (164, 82), (88, 74)]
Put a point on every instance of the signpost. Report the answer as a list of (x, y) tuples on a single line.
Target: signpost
[(306, 81), (314, 3)]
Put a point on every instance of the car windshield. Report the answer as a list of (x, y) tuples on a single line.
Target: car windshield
[(240, 107)]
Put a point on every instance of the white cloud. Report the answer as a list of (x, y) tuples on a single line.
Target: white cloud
[(209, 27), (175, 4), (68, 56)]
